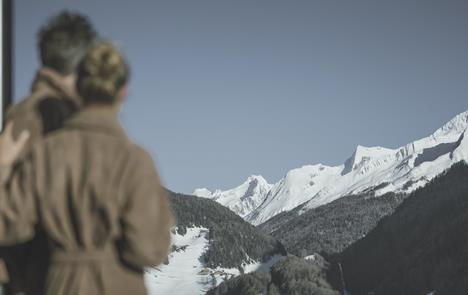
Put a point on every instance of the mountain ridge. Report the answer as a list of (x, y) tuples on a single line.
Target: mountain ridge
[(400, 170)]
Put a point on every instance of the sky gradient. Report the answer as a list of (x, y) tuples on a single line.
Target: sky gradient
[(221, 90)]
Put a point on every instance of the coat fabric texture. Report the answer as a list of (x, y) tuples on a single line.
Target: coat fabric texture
[(98, 200), (50, 103)]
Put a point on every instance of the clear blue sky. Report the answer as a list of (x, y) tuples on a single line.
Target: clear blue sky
[(224, 89)]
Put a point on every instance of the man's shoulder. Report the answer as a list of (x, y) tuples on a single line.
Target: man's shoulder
[(140, 158), (29, 104), (40, 113), (23, 117), (18, 108)]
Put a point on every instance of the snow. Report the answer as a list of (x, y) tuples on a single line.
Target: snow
[(183, 273), (310, 257), (186, 275), (454, 127), (202, 192), (377, 169), (242, 199)]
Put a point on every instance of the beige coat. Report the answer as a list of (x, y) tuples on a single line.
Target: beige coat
[(99, 201), (26, 114), (35, 114)]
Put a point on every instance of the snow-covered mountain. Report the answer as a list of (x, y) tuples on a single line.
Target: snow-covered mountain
[(380, 169), (242, 199)]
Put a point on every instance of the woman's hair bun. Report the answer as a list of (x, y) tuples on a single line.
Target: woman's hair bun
[(101, 74)]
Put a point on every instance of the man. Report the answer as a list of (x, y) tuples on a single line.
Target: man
[(62, 43)]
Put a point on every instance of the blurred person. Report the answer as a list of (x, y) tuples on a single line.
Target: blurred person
[(95, 194), (62, 42)]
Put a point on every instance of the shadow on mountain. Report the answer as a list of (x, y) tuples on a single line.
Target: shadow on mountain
[(431, 154)]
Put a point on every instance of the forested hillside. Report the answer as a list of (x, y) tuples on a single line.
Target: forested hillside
[(420, 248), (232, 241), (330, 228)]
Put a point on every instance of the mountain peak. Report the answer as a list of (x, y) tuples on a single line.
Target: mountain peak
[(241, 199), (202, 192), (364, 154), (455, 126), (375, 151), (256, 178)]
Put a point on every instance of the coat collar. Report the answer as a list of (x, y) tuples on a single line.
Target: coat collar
[(97, 120), (49, 81)]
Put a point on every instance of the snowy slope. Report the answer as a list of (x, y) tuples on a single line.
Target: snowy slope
[(185, 274), (184, 271), (385, 170)]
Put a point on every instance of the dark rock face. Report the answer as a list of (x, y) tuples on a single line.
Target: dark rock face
[(330, 228), (232, 240), (289, 276), (421, 247)]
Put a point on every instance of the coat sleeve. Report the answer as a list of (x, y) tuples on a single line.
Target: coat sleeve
[(18, 214), (146, 218)]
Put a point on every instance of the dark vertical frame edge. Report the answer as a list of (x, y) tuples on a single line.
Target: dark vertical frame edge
[(7, 52)]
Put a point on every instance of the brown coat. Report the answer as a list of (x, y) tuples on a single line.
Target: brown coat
[(37, 113), (99, 201), (27, 113)]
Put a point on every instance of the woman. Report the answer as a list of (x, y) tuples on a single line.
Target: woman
[(95, 194)]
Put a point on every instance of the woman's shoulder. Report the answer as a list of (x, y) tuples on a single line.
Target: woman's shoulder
[(140, 155), (66, 141)]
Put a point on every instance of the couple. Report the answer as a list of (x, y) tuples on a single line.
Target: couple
[(84, 202)]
